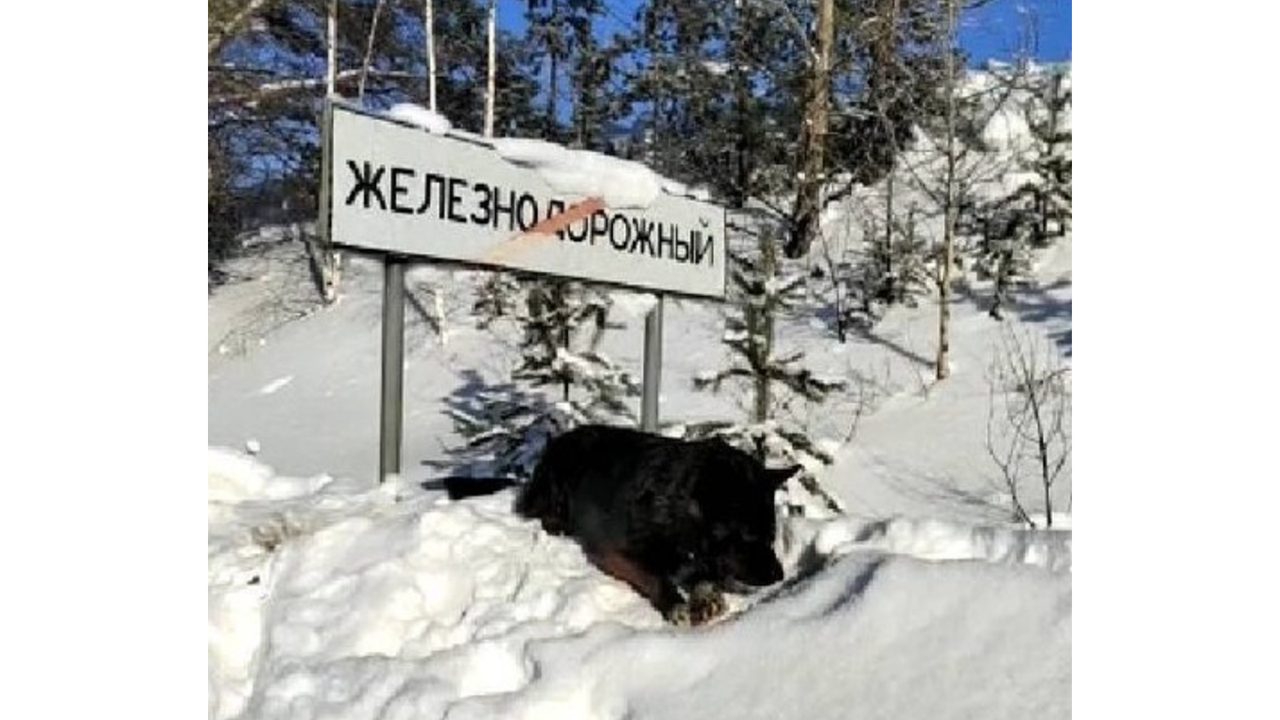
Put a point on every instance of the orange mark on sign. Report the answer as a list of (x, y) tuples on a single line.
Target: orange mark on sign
[(544, 229)]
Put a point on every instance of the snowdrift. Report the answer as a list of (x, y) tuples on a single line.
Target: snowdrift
[(327, 600)]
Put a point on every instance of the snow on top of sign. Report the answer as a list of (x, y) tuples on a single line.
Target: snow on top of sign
[(620, 183), (429, 120)]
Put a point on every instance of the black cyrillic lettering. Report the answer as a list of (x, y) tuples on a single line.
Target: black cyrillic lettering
[(368, 183), (644, 232), (398, 189), (704, 248), (530, 203), (554, 208), (428, 179), (455, 199), (580, 236), (484, 212), (509, 209), (683, 251), (619, 243), (599, 225), (667, 241)]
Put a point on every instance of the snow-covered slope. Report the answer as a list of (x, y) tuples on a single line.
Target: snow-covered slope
[(305, 394)]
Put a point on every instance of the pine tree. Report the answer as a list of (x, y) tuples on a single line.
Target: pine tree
[(893, 267), (496, 297), (762, 290), (1013, 227), (893, 45), (679, 91), (1003, 254), (564, 381), (1049, 119), (564, 324), (593, 107)]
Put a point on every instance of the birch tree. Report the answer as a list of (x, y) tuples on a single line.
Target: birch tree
[(491, 75), (429, 30), (942, 363)]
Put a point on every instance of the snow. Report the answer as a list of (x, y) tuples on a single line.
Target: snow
[(331, 596), (416, 115), (276, 384), (620, 183), (697, 192), (717, 67), (633, 304), (336, 600)]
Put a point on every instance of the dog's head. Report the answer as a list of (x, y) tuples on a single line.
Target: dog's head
[(735, 500)]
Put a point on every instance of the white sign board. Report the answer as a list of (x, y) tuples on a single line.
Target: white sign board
[(397, 188)]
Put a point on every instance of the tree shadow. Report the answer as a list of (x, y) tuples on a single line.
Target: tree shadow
[(1036, 304), (468, 399), (1033, 303), (481, 401), (939, 492), (869, 335), (864, 330)]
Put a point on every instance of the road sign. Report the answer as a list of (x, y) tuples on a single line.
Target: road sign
[(394, 187)]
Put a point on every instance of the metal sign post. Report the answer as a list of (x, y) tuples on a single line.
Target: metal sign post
[(392, 427), (652, 368)]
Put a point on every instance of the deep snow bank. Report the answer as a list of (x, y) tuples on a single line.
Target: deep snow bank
[(332, 601)]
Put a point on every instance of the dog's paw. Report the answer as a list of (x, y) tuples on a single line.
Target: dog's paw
[(680, 615), (706, 603)]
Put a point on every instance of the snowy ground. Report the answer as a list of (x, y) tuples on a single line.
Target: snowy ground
[(328, 600), (299, 384), (332, 597)]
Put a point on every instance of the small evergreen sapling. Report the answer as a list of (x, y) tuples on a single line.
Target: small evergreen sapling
[(1003, 252), (507, 426), (1049, 119), (760, 291), (892, 270)]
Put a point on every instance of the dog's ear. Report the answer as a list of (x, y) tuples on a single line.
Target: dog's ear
[(777, 477)]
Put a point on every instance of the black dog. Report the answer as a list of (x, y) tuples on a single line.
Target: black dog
[(663, 515)]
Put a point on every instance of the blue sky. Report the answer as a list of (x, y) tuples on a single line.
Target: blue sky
[(992, 31)]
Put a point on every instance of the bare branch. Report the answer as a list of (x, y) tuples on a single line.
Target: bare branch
[(218, 37), (1032, 389), (287, 86), (368, 48)]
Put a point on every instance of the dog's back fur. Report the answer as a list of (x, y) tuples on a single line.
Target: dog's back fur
[(664, 515)]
